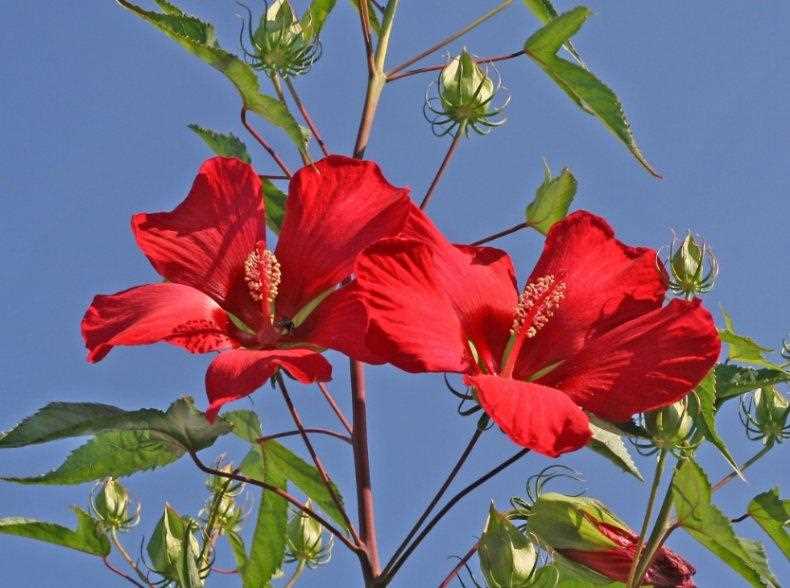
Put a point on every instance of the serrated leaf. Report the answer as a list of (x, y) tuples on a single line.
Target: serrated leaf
[(274, 200), (552, 200), (733, 380), (245, 424), (198, 38), (227, 145), (691, 497), (544, 11), (112, 454), (587, 91), (237, 548), (314, 18), (742, 348), (267, 546), (773, 515), (608, 442), (706, 417), (86, 537)]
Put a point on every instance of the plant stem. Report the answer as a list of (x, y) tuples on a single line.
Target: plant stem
[(296, 575), (306, 116), (282, 494), (278, 88), (268, 148), (118, 572), (127, 558), (314, 431), (449, 39), (453, 473), (732, 475), (334, 406), (500, 234), (314, 455), (439, 67), (386, 577), (439, 172), (648, 513), (457, 569)]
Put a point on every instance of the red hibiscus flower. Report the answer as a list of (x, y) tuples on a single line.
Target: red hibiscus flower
[(227, 292), (587, 333)]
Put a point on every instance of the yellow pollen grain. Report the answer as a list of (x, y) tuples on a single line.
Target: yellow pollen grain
[(262, 275), (545, 293)]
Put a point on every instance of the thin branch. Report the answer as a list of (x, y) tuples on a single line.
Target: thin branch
[(334, 406), (439, 67), (225, 571), (306, 116), (432, 504), (296, 575), (128, 558), (457, 569), (500, 234), (651, 501), (314, 431), (278, 88), (734, 474), (440, 172), (282, 494), (364, 17), (447, 507), (449, 39), (118, 572), (274, 177), (314, 455), (264, 143)]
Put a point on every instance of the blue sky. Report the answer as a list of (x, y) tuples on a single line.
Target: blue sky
[(95, 108)]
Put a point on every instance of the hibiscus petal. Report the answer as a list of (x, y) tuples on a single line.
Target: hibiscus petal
[(534, 416), (238, 373), (644, 364), (172, 313), (205, 240), (607, 283), (335, 209)]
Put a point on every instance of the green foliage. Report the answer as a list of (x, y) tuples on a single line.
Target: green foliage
[(587, 91), (691, 497), (86, 537), (706, 416), (552, 200), (742, 348), (773, 515), (375, 23), (228, 145), (544, 11), (314, 18), (733, 380), (507, 556), (607, 441), (275, 205), (198, 38), (173, 549)]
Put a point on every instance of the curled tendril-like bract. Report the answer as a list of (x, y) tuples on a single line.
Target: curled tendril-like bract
[(676, 432), (692, 265), (467, 404), (764, 415), (277, 47), (536, 484)]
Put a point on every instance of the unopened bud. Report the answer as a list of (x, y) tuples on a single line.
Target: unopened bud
[(111, 506), (172, 544), (671, 426), (306, 540), (693, 267), (507, 557), (766, 415)]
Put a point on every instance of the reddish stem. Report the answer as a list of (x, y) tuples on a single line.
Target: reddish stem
[(430, 68), (334, 406), (118, 572), (306, 116), (457, 569), (500, 234), (269, 149), (315, 431), (440, 172)]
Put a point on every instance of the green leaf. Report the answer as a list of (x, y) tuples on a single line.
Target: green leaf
[(86, 538), (544, 12), (733, 380), (245, 424), (314, 18), (741, 348), (236, 543), (587, 91), (773, 515), (110, 454), (267, 547), (226, 145), (304, 476), (608, 442), (691, 496), (706, 417), (552, 200), (199, 39), (375, 23), (275, 205)]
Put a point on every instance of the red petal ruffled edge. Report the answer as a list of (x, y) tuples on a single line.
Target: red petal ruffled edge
[(607, 283), (335, 209), (205, 240), (645, 364), (238, 373), (534, 416), (172, 313)]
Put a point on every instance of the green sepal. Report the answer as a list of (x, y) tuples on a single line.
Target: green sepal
[(552, 200)]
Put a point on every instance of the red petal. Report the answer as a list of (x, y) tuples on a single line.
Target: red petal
[(607, 282), (173, 313), (335, 209), (238, 373), (534, 416), (644, 364), (205, 240)]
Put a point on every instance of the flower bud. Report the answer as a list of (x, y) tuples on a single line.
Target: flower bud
[(111, 506), (670, 426), (766, 415), (693, 267), (166, 548), (507, 557), (586, 533), (306, 540)]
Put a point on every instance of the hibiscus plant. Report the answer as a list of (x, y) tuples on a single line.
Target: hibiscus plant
[(601, 346)]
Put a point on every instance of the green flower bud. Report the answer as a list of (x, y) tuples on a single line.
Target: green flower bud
[(507, 557), (670, 426), (173, 549), (111, 506), (693, 267), (766, 415), (306, 540)]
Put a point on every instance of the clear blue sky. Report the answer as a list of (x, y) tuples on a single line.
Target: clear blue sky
[(95, 105)]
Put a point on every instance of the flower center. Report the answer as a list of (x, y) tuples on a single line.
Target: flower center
[(262, 275)]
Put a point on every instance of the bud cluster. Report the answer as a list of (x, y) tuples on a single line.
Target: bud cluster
[(111, 506), (765, 415)]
